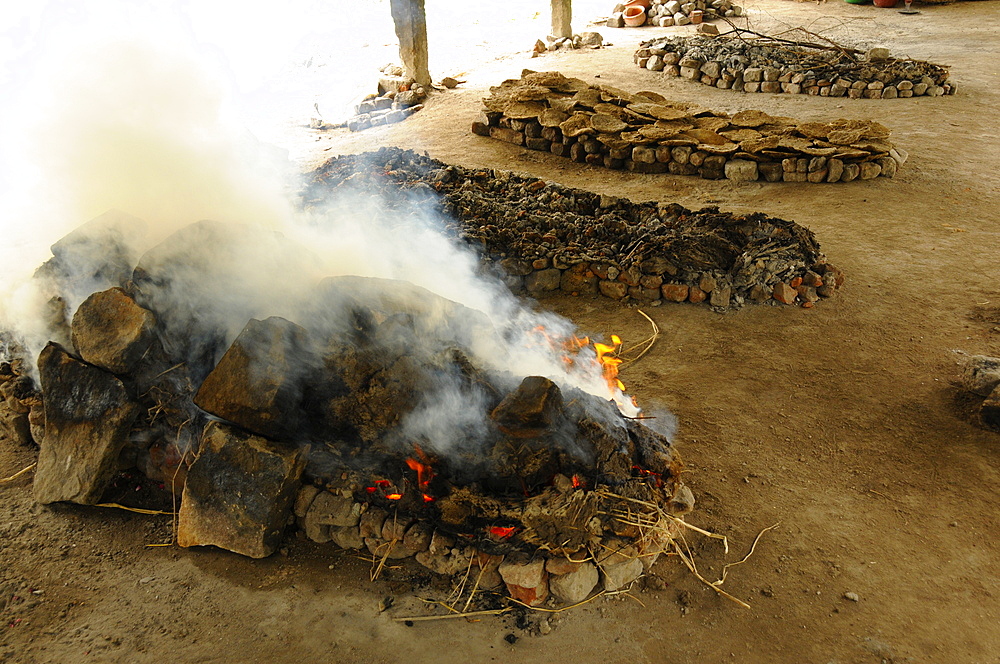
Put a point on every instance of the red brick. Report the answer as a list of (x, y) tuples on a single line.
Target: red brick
[(784, 293)]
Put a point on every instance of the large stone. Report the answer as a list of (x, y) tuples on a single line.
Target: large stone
[(97, 255), (330, 509), (239, 492), (88, 416), (112, 332), (258, 383), (542, 281), (981, 374), (576, 585), (529, 410), (741, 170), (619, 575), (20, 407)]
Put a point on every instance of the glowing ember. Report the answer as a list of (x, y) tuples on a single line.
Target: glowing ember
[(393, 496), (578, 483), (642, 472), (501, 532)]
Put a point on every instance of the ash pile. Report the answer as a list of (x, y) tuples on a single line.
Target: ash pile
[(646, 133), (748, 62), (373, 414), (543, 237)]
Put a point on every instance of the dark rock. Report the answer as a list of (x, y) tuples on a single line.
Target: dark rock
[(529, 410), (112, 332), (88, 415), (239, 492), (259, 382)]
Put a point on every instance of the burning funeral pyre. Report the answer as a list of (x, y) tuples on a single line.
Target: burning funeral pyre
[(373, 413)]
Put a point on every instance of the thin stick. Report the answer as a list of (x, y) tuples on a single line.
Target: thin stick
[(565, 608), (691, 567), (137, 510), (746, 557), (450, 616), (18, 474), (649, 342), (472, 593), (166, 371)]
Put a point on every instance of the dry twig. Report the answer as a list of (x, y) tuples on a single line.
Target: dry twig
[(753, 546), (137, 510), (18, 473)]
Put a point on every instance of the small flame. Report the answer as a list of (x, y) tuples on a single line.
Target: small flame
[(607, 361), (502, 532), (424, 472), (578, 483), (393, 496)]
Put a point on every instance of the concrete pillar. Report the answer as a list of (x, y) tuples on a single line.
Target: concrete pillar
[(562, 17), (411, 29)]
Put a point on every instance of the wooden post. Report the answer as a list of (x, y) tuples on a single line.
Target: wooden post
[(411, 28), (562, 17)]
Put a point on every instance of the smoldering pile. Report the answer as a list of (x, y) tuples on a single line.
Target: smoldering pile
[(377, 413), (544, 237)]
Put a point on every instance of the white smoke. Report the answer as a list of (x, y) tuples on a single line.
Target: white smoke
[(144, 123)]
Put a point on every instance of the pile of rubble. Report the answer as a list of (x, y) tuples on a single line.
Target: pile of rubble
[(734, 62), (665, 13), (646, 133), (591, 40), (543, 237), (398, 98)]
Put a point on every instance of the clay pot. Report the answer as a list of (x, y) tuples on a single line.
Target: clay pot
[(696, 16), (635, 15), (886, 4)]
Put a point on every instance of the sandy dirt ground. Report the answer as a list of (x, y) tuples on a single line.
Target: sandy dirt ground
[(842, 424)]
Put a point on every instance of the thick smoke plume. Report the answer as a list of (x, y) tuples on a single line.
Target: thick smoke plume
[(146, 130)]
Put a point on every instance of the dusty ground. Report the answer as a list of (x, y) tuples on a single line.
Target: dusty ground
[(841, 423)]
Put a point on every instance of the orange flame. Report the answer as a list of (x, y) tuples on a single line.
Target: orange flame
[(393, 496), (578, 483), (424, 472), (609, 362)]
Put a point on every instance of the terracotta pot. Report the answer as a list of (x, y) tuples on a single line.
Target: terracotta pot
[(635, 15), (887, 4)]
